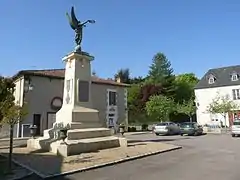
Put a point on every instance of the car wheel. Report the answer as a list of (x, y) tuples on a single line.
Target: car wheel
[(233, 135), (195, 133), (181, 134), (157, 134)]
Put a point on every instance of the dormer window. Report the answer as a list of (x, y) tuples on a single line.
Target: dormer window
[(234, 77), (211, 80)]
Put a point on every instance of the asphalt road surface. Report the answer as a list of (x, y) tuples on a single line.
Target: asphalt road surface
[(206, 157)]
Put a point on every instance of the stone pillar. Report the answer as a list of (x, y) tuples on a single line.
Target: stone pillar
[(77, 92), (77, 82)]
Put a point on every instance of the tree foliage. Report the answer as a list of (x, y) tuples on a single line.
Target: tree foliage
[(9, 112), (13, 114), (187, 107), (6, 94), (161, 72), (137, 80), (159, 107), (160, 69), (185, 84), (160, 84), (124, 75), (134, 97), (149, 90), (222, 105)]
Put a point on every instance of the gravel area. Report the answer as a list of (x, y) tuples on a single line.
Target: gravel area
[(46, 163)]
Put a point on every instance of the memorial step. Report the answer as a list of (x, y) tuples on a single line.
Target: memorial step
[(75, 147), (78, 134), (79, 125)]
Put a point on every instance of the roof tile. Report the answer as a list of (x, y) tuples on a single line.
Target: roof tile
[(60, 73), (222, 75)]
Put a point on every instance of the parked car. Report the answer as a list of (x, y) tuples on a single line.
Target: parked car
[(235, 129), (191, 128), (166, 128)]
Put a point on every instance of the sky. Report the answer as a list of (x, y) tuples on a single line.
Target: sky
[(194, 35)]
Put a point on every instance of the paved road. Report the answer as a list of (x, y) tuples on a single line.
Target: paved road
[(205, 157)]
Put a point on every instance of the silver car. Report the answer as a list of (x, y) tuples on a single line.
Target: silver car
[(235, 129), (166, 128)]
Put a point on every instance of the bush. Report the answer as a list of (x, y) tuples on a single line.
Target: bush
[(132, 129), (144, 127)]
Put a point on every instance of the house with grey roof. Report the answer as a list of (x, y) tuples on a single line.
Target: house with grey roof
[(42, 90), (217, 83)]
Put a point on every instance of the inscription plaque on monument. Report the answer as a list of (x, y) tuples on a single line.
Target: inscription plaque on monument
[(83, 91)]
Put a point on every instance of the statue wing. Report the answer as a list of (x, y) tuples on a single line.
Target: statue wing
[(73, 26), (74, 19)]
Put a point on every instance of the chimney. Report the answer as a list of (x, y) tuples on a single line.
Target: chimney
[(118, 80)]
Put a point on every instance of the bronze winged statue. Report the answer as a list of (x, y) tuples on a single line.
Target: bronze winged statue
[(77, 26)]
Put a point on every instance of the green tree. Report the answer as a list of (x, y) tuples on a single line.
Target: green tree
[(124, 75), (12, 114), (135, 105), (187, 107), (159, 107), (137, 80), (161, 73), (185, 84), (133, 97), (6, 93), (222, 105)]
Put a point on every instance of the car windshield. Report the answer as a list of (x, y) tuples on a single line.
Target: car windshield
[(236, 123), (162, 124), (187, 125)]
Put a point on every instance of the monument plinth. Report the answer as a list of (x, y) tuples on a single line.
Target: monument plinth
[(85, 132), (84, 129), (77, 108)]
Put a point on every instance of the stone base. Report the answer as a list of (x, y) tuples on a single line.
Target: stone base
[(78, 141), (79, 117), (75, 147)]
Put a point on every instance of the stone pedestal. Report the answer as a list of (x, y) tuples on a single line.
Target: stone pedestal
[(85, 133)]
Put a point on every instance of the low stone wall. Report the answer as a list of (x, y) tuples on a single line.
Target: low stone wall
[(139, 128), (212, 130), (4, 131)]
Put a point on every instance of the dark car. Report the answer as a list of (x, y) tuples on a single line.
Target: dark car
[(191, 128)]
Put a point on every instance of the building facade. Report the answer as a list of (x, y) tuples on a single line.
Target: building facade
[(216, 83), (42, 90)]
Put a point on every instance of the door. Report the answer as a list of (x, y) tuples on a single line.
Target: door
[(51, 118), (112, 109), (37, 122)]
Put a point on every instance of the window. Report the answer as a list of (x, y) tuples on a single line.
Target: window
[(236, 94), (234, 77), (112, 98), (211, 80)]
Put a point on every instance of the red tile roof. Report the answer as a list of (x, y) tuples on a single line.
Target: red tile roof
[(60, 73)]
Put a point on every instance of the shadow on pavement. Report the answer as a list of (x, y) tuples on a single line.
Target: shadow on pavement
[(155, 140), (42, 163)]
